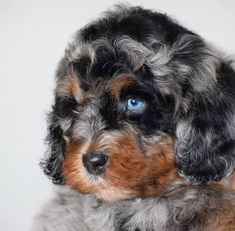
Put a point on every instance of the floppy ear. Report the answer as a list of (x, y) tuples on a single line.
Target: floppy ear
[(200, 88), (205, 134), (52, 164)]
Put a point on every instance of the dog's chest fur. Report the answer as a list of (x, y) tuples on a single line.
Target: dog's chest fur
[(180, 208)]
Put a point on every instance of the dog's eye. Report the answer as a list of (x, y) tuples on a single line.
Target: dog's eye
[(135, 104)]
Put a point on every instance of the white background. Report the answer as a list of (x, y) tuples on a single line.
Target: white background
[(33, 35)]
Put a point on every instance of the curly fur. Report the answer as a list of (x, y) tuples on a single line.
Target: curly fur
[(197, 82), (189, 87), (181, 207)]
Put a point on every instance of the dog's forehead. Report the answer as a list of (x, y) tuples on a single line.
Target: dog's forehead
[(107, 57), (109, 71), (100, 88), (112, 46), (101, 61)]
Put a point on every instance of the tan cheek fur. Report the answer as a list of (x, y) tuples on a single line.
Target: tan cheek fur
[(74, 172), (232, 181), (146, 176), (129, 173)]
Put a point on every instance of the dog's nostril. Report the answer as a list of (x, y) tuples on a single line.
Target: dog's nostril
[(95, 162)]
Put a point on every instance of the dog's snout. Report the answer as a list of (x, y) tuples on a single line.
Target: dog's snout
[(95, 162)]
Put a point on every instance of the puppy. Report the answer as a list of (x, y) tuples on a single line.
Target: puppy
[(141, 104)]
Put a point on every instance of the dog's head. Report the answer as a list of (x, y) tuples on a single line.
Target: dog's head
[(134, 90)]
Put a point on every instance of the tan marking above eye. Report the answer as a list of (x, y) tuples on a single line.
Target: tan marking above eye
[(144, 176), (70, 88), (120, 82), (74, 89)]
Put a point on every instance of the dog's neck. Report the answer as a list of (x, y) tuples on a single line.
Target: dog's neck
[(141, 213), (172, 207)]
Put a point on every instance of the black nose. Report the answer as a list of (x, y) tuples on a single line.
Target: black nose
[(95, 162)]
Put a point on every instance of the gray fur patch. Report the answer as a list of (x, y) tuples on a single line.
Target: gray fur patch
[(180, 207)]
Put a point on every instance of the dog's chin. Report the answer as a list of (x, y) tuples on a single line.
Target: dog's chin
[(107, 191), (114, 194), (104, 190), (111, 193)]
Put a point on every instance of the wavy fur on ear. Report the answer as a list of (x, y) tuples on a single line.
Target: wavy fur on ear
[(52, 164), (205, 143)]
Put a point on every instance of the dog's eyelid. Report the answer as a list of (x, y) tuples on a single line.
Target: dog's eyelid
[(138, 95), (138, 90)]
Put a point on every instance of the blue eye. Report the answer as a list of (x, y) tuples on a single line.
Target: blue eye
[(134, 104)]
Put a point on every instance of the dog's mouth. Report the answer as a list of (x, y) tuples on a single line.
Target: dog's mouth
[(121, 170)]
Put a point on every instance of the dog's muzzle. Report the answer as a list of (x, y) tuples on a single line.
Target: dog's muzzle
[(95, 163)]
